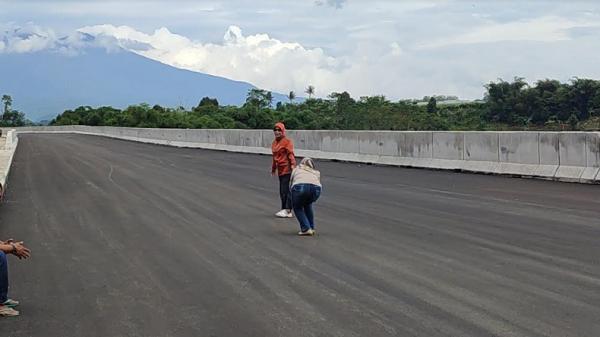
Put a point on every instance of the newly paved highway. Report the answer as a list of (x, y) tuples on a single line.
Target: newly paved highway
[(132, 239)]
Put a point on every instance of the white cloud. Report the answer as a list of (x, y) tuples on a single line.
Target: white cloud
[(282, 66), (117, 8), (26, 39), (546, 29), (31, 38), (259, 59)]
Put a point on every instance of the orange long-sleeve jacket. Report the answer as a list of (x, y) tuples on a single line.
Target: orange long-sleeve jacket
[(283, 153)]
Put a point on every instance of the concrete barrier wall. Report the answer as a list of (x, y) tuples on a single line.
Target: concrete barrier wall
[(565, 156), (7, 151), (448, 150), (592, 155)]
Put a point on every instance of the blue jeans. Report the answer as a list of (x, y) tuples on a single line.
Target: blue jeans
[(303, 196), (3, 278)]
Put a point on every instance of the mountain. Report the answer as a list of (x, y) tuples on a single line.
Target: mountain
[(45, 83)]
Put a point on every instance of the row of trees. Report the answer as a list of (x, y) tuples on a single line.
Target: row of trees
[(10, 117), (339, 111), (507, 105), (548, 101)]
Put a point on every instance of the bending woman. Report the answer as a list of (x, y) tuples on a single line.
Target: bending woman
[(306, 189)]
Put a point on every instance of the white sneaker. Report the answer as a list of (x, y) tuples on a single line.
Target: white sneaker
[(282, 214), (8, 311), (309, 232), (289, 214), (10, 303)]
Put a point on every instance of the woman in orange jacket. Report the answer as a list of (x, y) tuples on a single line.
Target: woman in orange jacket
[(284, 162)]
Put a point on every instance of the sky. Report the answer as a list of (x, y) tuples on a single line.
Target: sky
[(399, 49)]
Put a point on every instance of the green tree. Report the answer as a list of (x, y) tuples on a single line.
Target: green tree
[(344, 108), (432, 105), (549, 102), (310, 90), (112, 116), (582, 95), (269, 98), (7, 101), (259, 98), (93, 119), (208, 101), (573, 121), (11, 117), (207, 106), (503, 100), (279, 106), (595, 110), (292, 96)]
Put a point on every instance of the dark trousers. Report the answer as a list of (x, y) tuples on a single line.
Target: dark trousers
[(303, 196), (3, 278), (284, 191)]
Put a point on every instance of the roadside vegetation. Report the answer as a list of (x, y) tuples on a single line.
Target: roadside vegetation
[(515, 105), (11, 117)]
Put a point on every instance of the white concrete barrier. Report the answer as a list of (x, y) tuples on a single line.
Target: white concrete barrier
[(592, 155), (481, 151), (340, 145), (565, 156), (7, 152), (448, 150), (571, 156), (518, 153)]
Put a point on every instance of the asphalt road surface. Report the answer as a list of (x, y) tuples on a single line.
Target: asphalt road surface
[(133, 239)]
